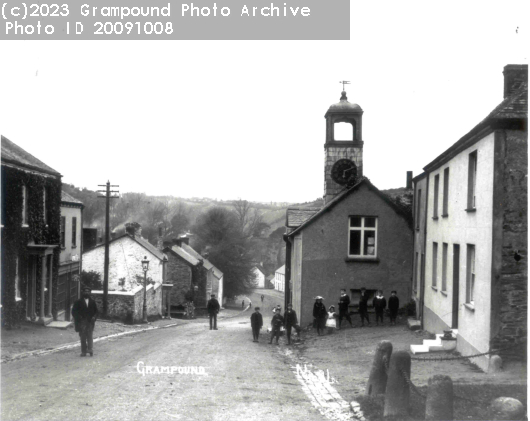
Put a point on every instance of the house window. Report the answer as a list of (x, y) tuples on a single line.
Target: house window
[(472, 181), (18, 297), (363, 236), (434, 263), (63, 232), (445, 210), (24, 205), (74, 232), (444, 266), (436, 188), (418, 204), (470, 281)]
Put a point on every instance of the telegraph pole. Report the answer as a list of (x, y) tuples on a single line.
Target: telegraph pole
[(107, 198)]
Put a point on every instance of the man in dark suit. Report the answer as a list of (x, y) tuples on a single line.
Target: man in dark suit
[(256, 321), (276, 323), (213, 309), (85, 313)]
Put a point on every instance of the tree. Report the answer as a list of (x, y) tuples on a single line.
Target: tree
[(249, 218), (180, 220), (218, 230), (91, 280)]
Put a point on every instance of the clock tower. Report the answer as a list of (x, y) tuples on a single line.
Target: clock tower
[(343, 158)]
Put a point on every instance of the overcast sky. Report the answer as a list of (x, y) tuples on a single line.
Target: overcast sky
[(245, 119)]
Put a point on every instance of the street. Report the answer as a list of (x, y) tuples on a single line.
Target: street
[(244, 380)]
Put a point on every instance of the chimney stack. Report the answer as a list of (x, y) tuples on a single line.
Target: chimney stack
[(514, 76), (134, 229), (160, 240), (409, 179)]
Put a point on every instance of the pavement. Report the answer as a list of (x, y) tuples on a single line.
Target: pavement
[(32, 339)]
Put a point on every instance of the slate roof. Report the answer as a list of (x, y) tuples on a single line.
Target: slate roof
[(140, 240), (513, 107), (66, 198), (404, 211), (260, 268), (14, 154), (297, 216), (205, 262), (180, 252)]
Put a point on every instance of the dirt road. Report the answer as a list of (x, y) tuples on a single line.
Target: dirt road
[(243, 380)]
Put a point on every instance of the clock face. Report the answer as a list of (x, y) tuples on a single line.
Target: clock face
[(344, 171)]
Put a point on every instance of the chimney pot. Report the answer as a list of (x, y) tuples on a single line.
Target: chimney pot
[(514, 76), (133, 228)]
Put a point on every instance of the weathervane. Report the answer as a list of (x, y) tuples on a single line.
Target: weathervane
[(344, 82)]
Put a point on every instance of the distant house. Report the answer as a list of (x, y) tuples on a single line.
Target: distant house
[(31, 217), (259, 276), (360, 238), (471, 221), (70, 263), (126, 276), (279, 279)]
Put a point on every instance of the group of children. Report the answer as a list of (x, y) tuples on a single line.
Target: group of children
[(325, 319), (279, 323)]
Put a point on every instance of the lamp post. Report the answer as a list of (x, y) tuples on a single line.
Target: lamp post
[(145, 267)]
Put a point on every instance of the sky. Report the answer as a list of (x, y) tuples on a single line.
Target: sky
[(245, 119)]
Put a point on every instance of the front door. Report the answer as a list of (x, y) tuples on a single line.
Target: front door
[(31, 274), (456, 282)]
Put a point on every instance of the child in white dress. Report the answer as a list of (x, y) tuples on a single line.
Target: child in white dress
[(331, 322)]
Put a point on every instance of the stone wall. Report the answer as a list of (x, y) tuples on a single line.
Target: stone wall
[(179, 273), (512, 288), (128, 306)]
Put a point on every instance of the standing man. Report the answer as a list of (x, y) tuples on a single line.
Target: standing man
[(85, 313), (290, 321), (320, 314), (213, 309), (393, 306), (363, 307), (256, 321), (243, 304), (262, 297), (344, 311), (379, 304), (276, 323)]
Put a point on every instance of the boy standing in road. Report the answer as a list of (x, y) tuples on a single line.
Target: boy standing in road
[(363, 307), (213, 308), (393, 306), (379, 304), (276, 323), (290, 321), (344, 302), (256, 321)]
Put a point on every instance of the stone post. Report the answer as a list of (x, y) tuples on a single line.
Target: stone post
[(378, 375), (439, 405), (507, 409), (397, 389)]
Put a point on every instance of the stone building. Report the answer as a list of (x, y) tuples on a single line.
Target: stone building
[(361, 237), (126, 276), (31, 201), (183, 272), (70, 261), (470, 269)]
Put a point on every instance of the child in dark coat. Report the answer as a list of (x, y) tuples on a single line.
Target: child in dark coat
[(256, 321), (276, 323), (393, 306), (379, 306)]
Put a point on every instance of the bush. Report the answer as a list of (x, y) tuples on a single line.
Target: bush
[(92, 280)]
